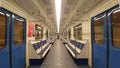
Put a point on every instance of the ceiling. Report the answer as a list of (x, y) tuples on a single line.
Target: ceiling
[(45, 10)]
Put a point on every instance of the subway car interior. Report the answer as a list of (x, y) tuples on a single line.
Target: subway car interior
[(59, 33)]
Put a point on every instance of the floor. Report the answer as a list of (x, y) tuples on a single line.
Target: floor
[(58, 57), (81, 66)]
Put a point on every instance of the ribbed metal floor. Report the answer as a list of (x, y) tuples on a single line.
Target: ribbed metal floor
[(58, 57)]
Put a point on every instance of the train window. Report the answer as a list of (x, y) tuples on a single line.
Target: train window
[(2, 30), (78, 32), (99, 30), (116, 28), (69, 33), (38, 32), (18, 32), (47, 34), (65, 33)]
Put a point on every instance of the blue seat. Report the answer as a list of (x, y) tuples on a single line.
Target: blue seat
[(73, 50), (42, 43), (38, 45), (82, 45), (43, 50), (78, 44), (34, 46), (74, 43)]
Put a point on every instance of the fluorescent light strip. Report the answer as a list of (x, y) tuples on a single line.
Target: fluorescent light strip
[(58, 12)]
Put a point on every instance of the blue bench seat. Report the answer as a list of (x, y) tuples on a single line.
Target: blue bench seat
[(43, 50), (73, 50)]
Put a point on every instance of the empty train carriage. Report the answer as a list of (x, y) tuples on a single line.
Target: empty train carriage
[(87, 35)]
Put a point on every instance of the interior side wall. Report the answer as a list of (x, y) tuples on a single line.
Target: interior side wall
[(13, 7), (105, 5)]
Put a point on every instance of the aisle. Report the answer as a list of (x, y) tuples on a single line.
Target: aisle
[(58, 57)]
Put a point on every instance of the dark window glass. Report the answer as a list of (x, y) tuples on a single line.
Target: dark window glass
[(69, 33), (2, 30), (47, 34), (116, 28), (38, 32), (99, 30), (78, 32), (18, 32)]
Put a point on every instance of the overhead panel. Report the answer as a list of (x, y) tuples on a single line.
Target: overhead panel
[(27, 5), (46, 2), (88, 5), (69, 2), (48, 8), (49, 11)]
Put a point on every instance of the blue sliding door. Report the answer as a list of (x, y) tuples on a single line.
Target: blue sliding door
[(12, 40), (4, 39), (18, 42), (106, 39), (114, 37), (99, 41)]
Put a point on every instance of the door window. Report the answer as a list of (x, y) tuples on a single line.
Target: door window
[(18, 32), (99, 30), (116, 28), (2, 30)]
